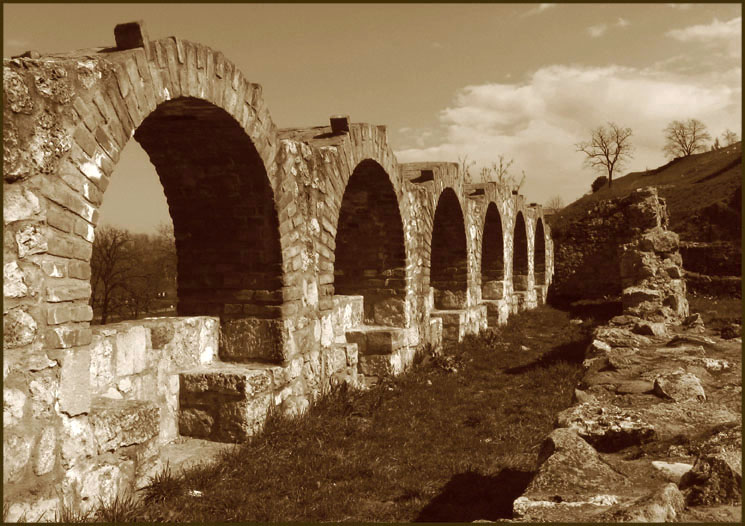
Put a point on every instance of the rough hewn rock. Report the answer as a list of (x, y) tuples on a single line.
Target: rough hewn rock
[(672, 471), (571, 477), (13, 282), (715, 478), (679, 386), (19, 328), (16, 454), (663, 505), (606, 428), (120, 423)]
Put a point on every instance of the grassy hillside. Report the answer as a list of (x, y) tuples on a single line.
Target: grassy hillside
[(703, 194)]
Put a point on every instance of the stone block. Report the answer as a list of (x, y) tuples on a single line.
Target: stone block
[(679, 386), (19, 203), (380, 365), (76, 440), (46, 451), (348, 313), (232, 380), (86, 487), (649, 328), (449, 299), (120, 423), (237, 421), (74, 386), (376, 340), (40, 510), (13, 402), (19, 328), (352, 354), (390, 312), (194, 422), (609, 428), (249, 339), (16, 455), (30, 240), (492, 290), (102, 363), (131, 347), (14, 285)]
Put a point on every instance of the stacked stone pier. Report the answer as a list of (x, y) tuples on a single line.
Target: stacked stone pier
[(306, 258)]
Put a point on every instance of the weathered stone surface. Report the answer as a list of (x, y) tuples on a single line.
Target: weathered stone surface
[(19, 328), (619, 337), (30, 240), (74, 386), (14, 285), (119, 423), (492, 290), (606, 428), (13, 402), (195, 422), (249, 339), (16, 90), (376, 340), (660, 240), (16, 454), (84, 487), (390, 312), (715, 478), (672, 471), (679, 386), (447, 299), (226, 379), (695, 323), (572, 477), (46, 451), (40, 510), (131, 348), (649, 328), (663, 505), (19, 203), (77, 440)]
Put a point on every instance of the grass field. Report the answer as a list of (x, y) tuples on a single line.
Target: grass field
[(454, 439)]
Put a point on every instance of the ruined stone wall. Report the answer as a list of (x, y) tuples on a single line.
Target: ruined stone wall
[(588, 251), (260, 215)]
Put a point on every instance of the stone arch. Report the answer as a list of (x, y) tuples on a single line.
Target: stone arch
[(520, 262), (539, 253), (492, 255), (449, 253), (370, 255), (210, 137)]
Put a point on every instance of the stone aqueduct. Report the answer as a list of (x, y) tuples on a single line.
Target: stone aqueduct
[(306, 257)]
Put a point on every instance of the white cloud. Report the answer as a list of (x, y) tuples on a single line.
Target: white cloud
[(622, 22), (708, 32), (682, 7), (538, 10), (537, 122), (597, 31)]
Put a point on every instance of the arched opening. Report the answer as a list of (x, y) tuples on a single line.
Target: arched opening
[(539, 254), (133, 262), (449, 258), (492, 256), (370, 256), (520, 254), (225, 224)]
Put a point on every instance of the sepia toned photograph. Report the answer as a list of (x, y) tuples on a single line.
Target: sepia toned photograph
[(372, 263)]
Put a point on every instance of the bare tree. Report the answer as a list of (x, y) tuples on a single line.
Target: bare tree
[(465, 168), (729, 137), (685, 138), (110, 269), (556, 202), (499, 172), (608, 149)]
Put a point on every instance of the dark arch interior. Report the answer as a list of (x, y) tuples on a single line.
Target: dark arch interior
[(449, 261), (370, 253), (520, 255), (222, 206), (492, 255), (539, 257)]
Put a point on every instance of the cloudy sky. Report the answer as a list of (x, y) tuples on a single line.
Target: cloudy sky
[(524, 80)]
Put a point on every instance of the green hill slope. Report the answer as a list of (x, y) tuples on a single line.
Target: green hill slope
[(703, 194)]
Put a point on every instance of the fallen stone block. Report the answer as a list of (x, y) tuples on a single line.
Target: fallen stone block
[(716, 478), (679, 386), (649, 328), (663, 505), (620, 337), (672, 471), (608, 429), (572, 480)]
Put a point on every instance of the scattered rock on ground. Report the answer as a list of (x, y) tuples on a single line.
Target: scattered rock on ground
[(607, 428), (664, 505), (672, 471), (679, 386)]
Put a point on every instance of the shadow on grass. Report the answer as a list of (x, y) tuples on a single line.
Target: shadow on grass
[(572, 352), (470, 496)]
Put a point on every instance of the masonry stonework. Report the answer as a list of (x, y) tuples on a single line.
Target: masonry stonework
[(306, 258)]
